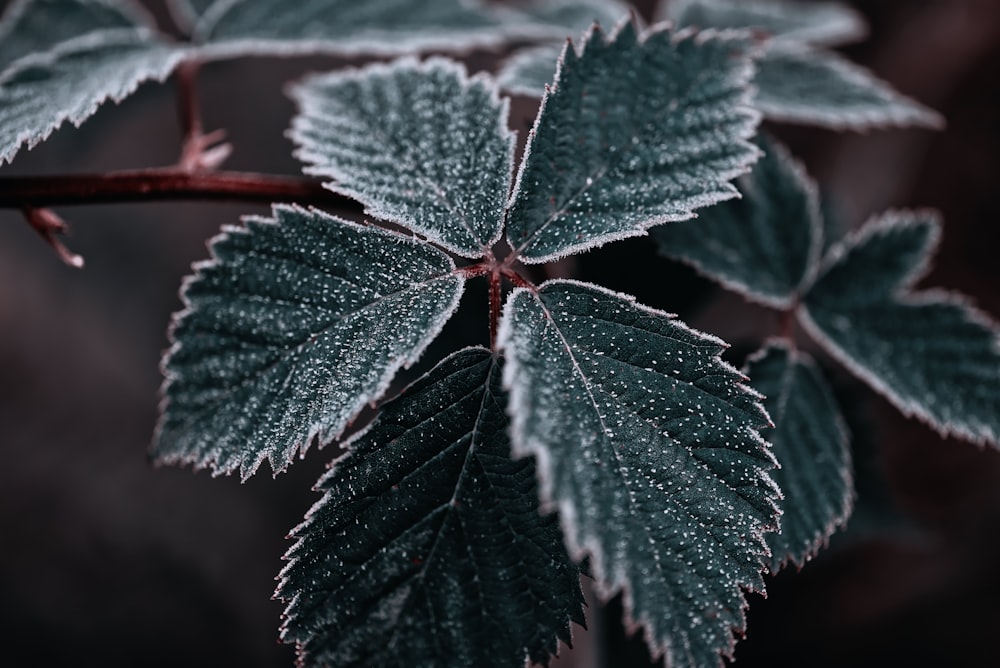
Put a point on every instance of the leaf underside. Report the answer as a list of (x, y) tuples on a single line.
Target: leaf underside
[(647, 445), (419, 144), (827, 23), (763, 245), (296, 324), (427, 548), (801, 85), (930, 353), (810, 442), (637, 131)]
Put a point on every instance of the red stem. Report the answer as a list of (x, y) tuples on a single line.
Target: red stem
[(17, 192), (495, 296)]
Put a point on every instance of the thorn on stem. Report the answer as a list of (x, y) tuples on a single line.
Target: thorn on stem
[(49, 225)]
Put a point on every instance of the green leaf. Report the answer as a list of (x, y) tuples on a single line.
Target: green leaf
[(296, 324), (930, 352), (810, 442), (427, 548), (765, 245), (647, 444), (421, 145), (573, 15), (40, 92), (828, 23), (34, 26), (801, 85), (637, 131)]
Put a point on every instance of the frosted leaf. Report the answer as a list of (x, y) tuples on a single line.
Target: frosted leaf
[(34, 26), (647, 445), (800, 85), (574, 16), (42, 91), (638, 130), (427, 548), (929, 352), (228, 29), (827, 23), (764, 245), (294, 326), (419, 144), (810, 442)]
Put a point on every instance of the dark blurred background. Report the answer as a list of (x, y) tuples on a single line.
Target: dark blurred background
[(109, 560)]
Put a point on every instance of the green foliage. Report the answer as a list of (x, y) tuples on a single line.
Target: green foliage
[(597, 435), (810, 442), (647, 445), (454, 560)]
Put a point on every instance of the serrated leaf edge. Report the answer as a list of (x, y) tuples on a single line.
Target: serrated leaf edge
[(306, 107), (751, 119), (315, 432), (822, 539), (523, 446)]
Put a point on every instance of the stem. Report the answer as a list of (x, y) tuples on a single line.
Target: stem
[(200, 151), (495, 296), (18, 192)]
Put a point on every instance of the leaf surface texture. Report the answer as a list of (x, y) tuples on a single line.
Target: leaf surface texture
[(647, 444), (427, 548), (296, 324), (637, 131), (421, 145)]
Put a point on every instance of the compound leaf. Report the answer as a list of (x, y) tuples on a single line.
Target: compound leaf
[(33, 26), (638, 130), (421, 145), (647, 444), (802, 85), (764, 245), (827, 23), (427, 548), (810, 442), (40, 92), (296, 324), (930, 353)]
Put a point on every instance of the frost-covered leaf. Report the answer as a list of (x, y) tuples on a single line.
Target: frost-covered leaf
[(814, 87), (529, 71), (296, 324), (647, 444), (813, 22), (421, 145), (427, 548), (811, 444), (573, 15), (637, 131), (929, 352), (764, 245), (41, 92), (34, 26)]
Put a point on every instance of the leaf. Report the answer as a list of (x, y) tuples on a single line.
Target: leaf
[(34, 26), (800, 85), (296, 324), (637, 131), (574, 15), (765, 245), (42, 91), (421, 145), (228, 29), (827, 23), (646, 443), (529, 71), (427, 548), (930, 352), (810, 442)]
